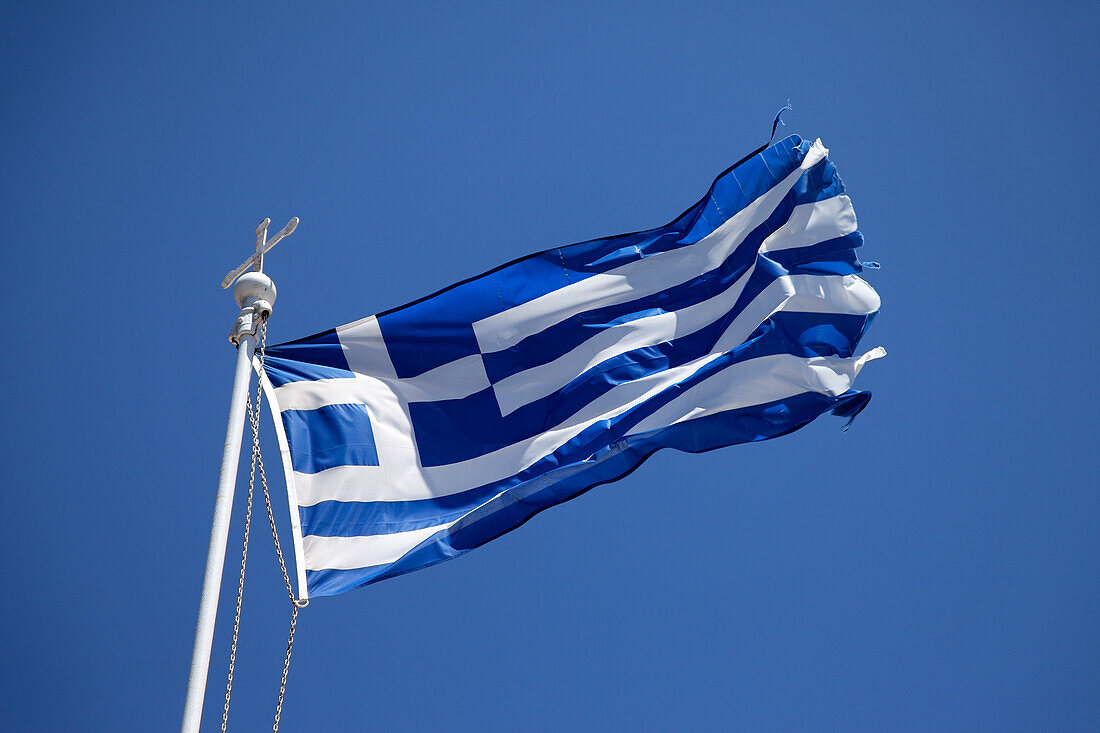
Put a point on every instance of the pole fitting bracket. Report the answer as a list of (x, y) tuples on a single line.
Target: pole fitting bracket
[(255, 294), (249, 320)]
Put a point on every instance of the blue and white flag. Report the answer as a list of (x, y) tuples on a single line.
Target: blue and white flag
[(413, 436)]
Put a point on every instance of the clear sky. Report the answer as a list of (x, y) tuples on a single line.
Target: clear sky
[(937, 567)]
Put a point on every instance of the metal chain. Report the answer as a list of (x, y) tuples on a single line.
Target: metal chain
[(271, 516), (295, 603), (253, 410), (286, 665), (240, 596), (257, 466)]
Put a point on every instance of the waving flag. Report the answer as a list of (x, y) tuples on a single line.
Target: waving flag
[(413, 436)]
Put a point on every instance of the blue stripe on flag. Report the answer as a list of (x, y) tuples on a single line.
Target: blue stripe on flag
[(832, 257), (315, 357), (333, 435)]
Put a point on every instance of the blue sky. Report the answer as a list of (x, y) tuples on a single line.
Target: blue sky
[(934, 568)]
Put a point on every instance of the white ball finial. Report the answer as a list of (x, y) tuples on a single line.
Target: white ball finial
[(253, 286)]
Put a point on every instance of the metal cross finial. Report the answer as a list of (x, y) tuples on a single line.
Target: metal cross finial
[(263, 245)]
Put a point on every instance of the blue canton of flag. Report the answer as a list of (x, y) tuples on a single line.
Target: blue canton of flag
[(413, 436)]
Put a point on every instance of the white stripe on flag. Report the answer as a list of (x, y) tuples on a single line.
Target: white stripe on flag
[(347, 553), (346, 483), (776, 377), (811, 223)]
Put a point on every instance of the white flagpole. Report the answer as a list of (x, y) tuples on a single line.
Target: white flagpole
[(255, 293), (219, 535)]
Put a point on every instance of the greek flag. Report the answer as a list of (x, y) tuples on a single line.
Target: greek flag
[(418, 434)]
